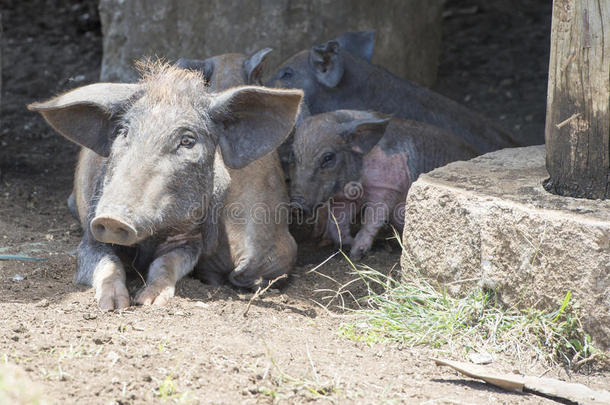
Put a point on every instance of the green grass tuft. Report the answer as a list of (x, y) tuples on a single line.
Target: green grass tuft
[(414, 312)]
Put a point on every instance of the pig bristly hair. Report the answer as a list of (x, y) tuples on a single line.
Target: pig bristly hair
[(165, 82), (164, 85)]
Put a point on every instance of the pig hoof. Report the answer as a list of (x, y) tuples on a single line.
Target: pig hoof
[(358, 252), (157, 295), (113, 295)]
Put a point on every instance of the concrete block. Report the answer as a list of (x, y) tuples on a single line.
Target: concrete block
[(489, 222)]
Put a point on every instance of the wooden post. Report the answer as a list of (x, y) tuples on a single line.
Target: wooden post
[(1, 47), (577, 130)]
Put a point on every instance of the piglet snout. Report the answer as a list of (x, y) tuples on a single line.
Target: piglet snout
[(298, 204), (107, 229)]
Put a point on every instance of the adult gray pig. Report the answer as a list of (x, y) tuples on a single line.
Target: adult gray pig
[(220, 73), (364, 161), (334, 79), (155, 171), (249, 241)]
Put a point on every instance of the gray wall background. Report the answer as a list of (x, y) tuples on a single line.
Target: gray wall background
[(407, 39)]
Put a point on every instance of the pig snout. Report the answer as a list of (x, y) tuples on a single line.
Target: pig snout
[(107, 229), (299, 204)]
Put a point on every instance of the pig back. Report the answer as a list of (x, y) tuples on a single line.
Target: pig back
[(370, 87), (426, 146)]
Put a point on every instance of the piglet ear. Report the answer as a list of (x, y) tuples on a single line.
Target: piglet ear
[(253, 121), (206, 66), (363, 133), (327, 63), (358, 43), (87, 115), (254, 66)]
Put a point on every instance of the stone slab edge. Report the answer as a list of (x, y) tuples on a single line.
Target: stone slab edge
[(488, 222)]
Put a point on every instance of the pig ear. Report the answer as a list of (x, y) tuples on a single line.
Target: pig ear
[(304, 113), (363, 134), (327, 63), (358, 43), (85, 115), (254, 66), (206, 66), (253, 121)]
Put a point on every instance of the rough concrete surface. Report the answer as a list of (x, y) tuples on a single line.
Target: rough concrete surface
[(488, 221), (407, 39)]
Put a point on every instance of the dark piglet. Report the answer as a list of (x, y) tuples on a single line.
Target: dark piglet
[(359, 161), (153, 173), (358, 43), (333, 78)]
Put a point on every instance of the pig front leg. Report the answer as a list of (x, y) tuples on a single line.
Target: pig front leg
[(99, 266), (174, 262), (377, 211), (339, 220)]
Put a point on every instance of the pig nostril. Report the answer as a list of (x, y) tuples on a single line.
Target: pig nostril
[(99, 228)]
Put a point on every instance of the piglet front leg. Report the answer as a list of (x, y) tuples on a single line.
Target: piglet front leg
[(175, 259), (378, 208), (340, 216)]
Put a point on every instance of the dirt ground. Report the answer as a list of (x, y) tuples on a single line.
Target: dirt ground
[(203, 348)]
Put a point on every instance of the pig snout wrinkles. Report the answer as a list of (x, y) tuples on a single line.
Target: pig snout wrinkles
[(108, 229)]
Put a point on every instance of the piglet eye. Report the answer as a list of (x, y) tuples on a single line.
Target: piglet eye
[(286, 73), (327, 160), (187, 141)]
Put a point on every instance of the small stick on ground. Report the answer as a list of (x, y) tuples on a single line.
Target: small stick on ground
[(584, 361), (261, 291)]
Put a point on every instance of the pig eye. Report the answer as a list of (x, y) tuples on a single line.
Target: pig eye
[(121, 131), (327, 160), (187, 141), (286, 73)]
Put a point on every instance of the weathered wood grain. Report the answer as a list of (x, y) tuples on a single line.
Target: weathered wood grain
[(578, 107)]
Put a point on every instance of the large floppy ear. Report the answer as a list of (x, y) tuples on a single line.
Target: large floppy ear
[(86, 115), (206, 66), (364, 132), (304, 113), (358, 43), (254, 66), (252, 121), (327, 63)]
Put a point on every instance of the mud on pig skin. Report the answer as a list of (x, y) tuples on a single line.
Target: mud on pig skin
[(360, 162), (250, 246), (153, 173)]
